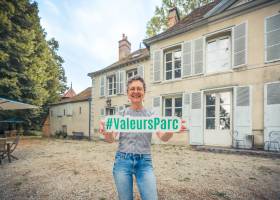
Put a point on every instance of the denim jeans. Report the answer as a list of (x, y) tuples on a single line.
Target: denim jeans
[(140, 165)]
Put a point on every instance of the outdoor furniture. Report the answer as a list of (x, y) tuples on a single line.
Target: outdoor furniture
[(273, 142), (238, 140), (3, 149), (11, 147), (78, 135)]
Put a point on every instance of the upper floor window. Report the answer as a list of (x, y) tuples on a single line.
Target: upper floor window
[(112, 85), (272, 38), (218, 54), (131, 73), (173, 106), (172, 63)]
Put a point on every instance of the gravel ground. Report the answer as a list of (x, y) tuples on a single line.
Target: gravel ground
[(67, 169)]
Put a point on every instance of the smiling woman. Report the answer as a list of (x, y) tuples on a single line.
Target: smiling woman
[(133, 157)]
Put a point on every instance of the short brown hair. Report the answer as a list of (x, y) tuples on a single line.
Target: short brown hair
[(136, 78)]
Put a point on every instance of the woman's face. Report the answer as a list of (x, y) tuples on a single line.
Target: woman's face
[(136, 92)]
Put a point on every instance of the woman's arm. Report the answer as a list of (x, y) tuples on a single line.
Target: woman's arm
[(165, 136), (108, 136)]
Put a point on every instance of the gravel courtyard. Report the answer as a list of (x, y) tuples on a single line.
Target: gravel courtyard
[(68, 169)]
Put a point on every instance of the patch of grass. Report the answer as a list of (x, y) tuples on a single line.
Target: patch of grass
[(222, 195), (252, 178), (102, 198), (186, 179), (265, 170), (18, 183)]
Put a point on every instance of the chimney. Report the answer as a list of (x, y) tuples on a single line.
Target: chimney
[(173, 17), (124, 47)]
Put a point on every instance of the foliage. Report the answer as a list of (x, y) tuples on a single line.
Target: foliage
[(30, 69), (158, 22)]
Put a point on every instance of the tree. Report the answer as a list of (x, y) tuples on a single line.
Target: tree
[(158, 22), (30, 69)]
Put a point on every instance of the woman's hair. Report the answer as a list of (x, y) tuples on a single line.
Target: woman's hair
[(136, 78)]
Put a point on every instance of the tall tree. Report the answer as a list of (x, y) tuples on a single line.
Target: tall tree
[(30, 69), (158, 22)]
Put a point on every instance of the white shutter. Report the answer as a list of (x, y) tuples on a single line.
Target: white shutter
[(272, 116), (186, 109), (272, 38), (69, 109), (187, 58), (120, 81), (240, 45), (242, 115), (157, 65), (140, 71), (196, 119), (157, 105), (198, 55), (102, 86), (117, 82)]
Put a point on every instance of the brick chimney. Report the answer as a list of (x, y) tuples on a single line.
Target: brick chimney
[(173, 17), (124, 47)]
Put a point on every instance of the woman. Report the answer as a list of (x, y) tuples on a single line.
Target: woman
[(134, 152)]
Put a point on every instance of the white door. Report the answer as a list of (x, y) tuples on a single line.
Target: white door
[(272, 116), (218, 118)]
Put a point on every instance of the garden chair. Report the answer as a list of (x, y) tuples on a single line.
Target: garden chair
[(13, 146), (273, 142), (3, 149), (238, 140)]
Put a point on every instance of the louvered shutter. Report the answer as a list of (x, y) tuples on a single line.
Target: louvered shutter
[(157, 105), (272, 38), (120, 81), (242, 114), (140, 71), (240, 45), (187, 58), (272, 115), (198, 56), (196, 119), (157, 65), (186, 109), (102, 86)]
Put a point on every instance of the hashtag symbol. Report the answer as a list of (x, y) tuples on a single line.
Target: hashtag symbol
[(109, 123)]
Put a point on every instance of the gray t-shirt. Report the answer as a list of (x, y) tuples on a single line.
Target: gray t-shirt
[(138, 143)]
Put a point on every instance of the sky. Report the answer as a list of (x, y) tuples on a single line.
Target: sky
[(88, 32)]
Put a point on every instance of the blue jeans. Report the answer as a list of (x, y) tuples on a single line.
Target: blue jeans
[(140, 165)]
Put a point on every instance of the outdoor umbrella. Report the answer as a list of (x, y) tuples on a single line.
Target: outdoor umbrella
[(6, 104)]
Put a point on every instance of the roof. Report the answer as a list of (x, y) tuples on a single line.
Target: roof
[(85, 95), (216, 10), (7, 104), (136, 56), (196, 15), (70, 93)]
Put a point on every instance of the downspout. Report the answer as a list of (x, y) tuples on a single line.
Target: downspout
[(89, 117)]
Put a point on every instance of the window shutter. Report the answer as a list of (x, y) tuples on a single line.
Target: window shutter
[(186, 109), (187, 58), (239, 45), (242, 114), (196, 119), (140, 71), (102, 86), (271, 116), (272, 38), (120, 81), (69, 109), (198, 56), (157, 105), (157, 65)]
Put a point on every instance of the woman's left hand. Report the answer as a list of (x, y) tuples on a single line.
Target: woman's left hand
[(183, 128)]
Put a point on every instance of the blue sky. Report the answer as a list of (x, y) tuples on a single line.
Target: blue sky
[(88, 32)]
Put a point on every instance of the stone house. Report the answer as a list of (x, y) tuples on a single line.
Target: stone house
[(218, 68)]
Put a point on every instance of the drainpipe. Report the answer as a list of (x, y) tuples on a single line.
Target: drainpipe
[(89, 117)]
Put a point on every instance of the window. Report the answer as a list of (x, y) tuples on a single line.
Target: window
[(218, 54), (64, 112), (112, 89), (110, 111), (80, 110), (272, 38), (131, 73), (218, 111), (173, 64), (173, 106)]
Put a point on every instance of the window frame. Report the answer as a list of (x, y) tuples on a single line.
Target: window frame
[(173, 51), (173, 107), (131, 71), (114, 85)]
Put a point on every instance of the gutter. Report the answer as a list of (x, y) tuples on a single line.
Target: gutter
[(89, 117)]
